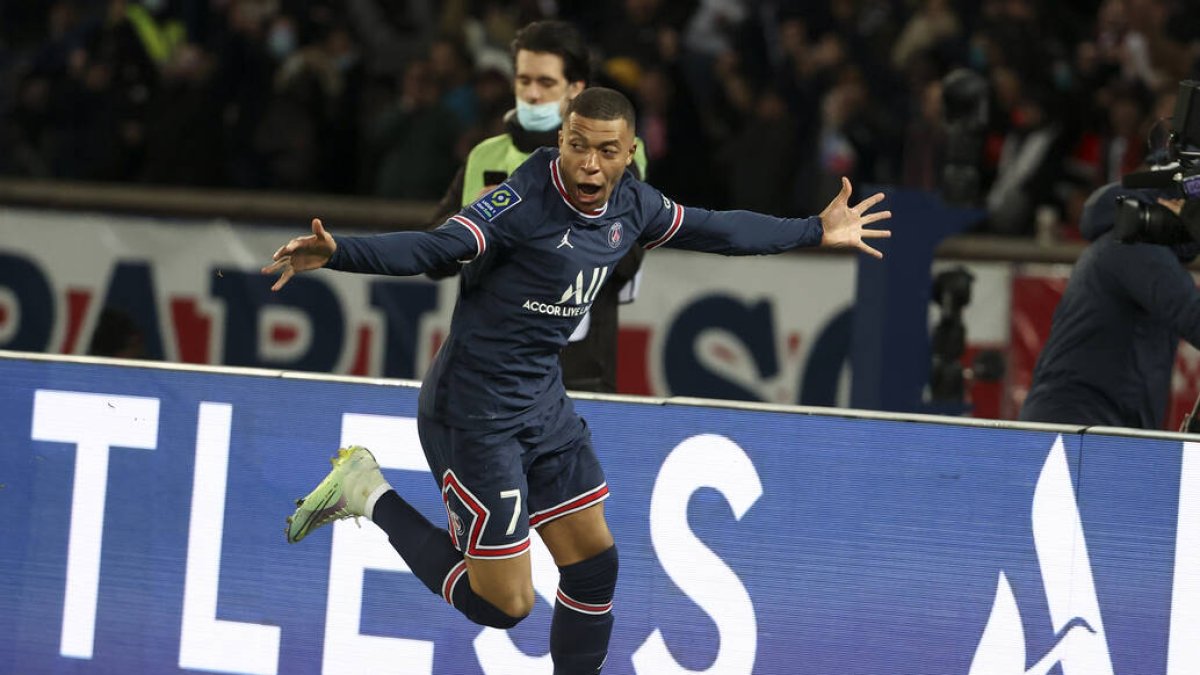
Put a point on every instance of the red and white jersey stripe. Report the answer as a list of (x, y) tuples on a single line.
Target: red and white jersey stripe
[(480, 240), (676, 223)]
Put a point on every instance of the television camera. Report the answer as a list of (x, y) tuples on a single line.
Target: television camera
[(1144, 221)]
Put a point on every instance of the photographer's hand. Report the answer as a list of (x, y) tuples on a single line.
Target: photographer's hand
[(1176, 205)]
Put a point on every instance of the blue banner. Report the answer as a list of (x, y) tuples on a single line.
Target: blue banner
[(143, 532)]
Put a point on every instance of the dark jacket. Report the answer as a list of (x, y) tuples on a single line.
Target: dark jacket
[(1112, 343)]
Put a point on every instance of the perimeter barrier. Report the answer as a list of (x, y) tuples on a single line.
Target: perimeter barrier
[(143, 514)]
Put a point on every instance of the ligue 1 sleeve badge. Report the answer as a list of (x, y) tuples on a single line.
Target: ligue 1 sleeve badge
[(499, 200), (614, 234)]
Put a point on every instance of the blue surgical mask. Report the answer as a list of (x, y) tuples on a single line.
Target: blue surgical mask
[(540, 116)]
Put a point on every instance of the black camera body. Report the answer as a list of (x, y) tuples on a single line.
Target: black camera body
[(1147, 221)]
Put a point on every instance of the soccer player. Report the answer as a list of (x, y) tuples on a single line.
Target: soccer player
[(551, 66), (501, 436)]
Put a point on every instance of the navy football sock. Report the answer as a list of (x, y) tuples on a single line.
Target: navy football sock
[(435, 561), (583, 620)]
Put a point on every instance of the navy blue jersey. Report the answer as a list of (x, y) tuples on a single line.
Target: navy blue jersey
[(535, 263)]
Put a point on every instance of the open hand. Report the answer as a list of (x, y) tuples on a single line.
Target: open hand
[(301, 254), (845, 225)]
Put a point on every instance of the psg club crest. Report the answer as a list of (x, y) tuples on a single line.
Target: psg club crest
[(614, 235), (457, 523)]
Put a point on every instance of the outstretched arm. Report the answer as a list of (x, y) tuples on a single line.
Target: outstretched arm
[(395, 253), (747, 233), (845, 226)]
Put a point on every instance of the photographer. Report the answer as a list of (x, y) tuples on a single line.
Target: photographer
[(1112, 343)]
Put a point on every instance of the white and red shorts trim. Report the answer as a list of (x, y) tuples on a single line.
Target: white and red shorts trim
[(573, 505)]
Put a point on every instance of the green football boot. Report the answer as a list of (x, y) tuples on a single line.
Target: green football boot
[(343, 493)]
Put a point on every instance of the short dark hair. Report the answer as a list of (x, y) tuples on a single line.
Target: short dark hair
[(559, 38), (602, 103)]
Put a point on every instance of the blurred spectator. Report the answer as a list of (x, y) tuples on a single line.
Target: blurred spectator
[(925, 141), (392, 32), (761, 158), (38, 136), (929, 29), (287, 135), (493, 95), (669, 124), (280, 94), (630, 29), (186, 101), (337, 52), (413, 143), (157, 29), (450, 64), (709, 29), (308, 133), (117, 77), (244, 79), (1028, 166), (1124, 146)]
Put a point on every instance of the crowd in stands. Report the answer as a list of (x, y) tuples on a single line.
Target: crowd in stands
[(755, 104)]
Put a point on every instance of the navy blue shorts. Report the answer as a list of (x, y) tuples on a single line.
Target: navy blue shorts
[(497, 483)]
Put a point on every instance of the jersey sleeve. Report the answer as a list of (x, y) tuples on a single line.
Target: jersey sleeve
[(401, 253), (670, 224), (491, 223)]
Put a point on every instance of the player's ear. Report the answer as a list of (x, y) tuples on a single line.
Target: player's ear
[(632, 152)]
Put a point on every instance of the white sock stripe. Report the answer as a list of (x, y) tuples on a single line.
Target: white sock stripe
[(583, 607), (451, 581), (369, 505)]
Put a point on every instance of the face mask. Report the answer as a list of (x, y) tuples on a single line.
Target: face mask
[(539, 117), (281, 42)]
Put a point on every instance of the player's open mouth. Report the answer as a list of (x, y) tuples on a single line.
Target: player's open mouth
[(588, 192)]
